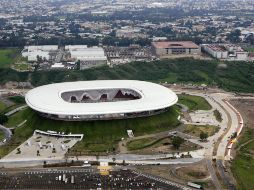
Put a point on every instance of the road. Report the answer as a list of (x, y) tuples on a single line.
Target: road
[(217, 144), (30, 162), (7, 133)]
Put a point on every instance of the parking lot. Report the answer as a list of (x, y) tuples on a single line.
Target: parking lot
[(80, 178)]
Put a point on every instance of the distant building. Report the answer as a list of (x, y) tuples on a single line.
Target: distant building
[(174, 48), (155, 39), (57, 66), (129, 32), (228, 52), (34, 52), (88, 56)]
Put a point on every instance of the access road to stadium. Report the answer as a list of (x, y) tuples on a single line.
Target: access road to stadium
[(217, 145), (7, 134)]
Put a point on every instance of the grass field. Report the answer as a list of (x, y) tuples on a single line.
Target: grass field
[(194, 102), (1, 135), (99, 136), (243, 164), (22, 67), (195, 130), (250, 49), (17, 99), (8, 57), (17, 118), (143, 143), (2, 107)]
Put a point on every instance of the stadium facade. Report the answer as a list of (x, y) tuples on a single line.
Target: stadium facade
[(100, 100)]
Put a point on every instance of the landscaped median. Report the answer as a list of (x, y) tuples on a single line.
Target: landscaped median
[(196, 130), (158, 145), (194, 102)]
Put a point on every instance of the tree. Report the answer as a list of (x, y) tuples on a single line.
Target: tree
[(203, 136), (3, 118), (234, 36), (177, 141), (78, 65)]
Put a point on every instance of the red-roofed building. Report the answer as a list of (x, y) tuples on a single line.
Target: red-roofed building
[(167, 49)]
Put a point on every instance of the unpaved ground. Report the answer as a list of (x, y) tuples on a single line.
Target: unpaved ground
[(246, 108), (165, 147), (181, 173)]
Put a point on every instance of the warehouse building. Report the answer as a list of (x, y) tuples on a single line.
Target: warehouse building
[(43, 52), (88, 56)]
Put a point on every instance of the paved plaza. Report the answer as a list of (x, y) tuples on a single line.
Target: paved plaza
[(43, 146)]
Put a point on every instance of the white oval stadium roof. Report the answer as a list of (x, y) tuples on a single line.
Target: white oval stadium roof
[(47, 99)]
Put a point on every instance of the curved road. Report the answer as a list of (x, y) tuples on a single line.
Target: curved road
[(7, 133)]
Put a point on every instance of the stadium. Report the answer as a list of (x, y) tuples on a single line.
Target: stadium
[(100, 100)]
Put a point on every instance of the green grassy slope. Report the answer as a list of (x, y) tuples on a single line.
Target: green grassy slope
[(99, 136)]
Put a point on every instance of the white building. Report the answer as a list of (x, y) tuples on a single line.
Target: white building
[(129, 32), (100, 99), (33, 52), (57, 66), (88, 56), (228, 52)]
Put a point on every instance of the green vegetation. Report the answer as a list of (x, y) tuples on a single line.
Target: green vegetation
[(99, 136), (177, 142), (22, 67), (217, 115), (250, 49), (17, 99), (194, 102), (3, 118), (8, 57), (243, 164), (2, 107), (17, 118), (1, 135), (143, 143), (17, 102), (195, 130), (66, 141), (203, 136), (236, 76)]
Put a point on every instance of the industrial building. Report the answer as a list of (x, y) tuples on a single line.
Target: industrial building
[(88, 56), (230, 52), (173, 48), (59, 57), (100, 100), (43, 52)]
